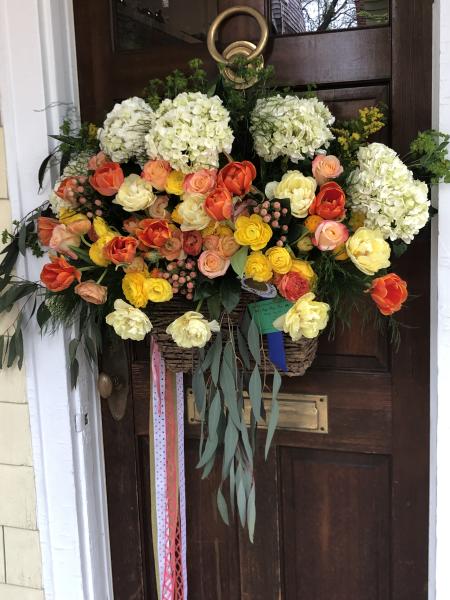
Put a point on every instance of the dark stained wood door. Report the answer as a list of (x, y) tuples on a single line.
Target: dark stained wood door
[(340, 516)]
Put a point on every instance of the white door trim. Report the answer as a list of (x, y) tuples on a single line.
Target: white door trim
[(38, 71)]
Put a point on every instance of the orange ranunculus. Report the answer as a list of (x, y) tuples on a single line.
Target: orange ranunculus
[(389, 292), (67, 188), (219, 204), (59, 274), (107, 179), (312, 223), (173, 248), (329, 202), (237, 177), (153, 233), (120, 250), (192, 242), (156, 172), (92, 292), (45, 227), (292, 285)]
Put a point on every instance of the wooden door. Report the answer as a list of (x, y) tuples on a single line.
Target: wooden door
[(343, 515)]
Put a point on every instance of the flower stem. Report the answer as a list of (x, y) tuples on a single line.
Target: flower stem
[(100, 279), (199, 305)]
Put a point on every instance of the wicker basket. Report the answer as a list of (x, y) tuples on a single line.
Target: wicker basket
[(299, 355)]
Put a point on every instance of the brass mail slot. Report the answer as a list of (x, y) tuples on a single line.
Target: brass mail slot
[(298, 412)]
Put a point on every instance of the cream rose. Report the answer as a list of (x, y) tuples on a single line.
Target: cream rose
[(192, 330), (128, 322), (306, 318), (368, 251), (135, 194), (300, 190), (192, 213)]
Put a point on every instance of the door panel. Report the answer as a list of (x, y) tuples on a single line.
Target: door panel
[(343, 515)]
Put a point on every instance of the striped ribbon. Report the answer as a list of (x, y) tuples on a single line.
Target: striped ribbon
[(166, 435)]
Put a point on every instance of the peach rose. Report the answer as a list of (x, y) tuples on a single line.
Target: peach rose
[(158, 209), (79, 226), (173, 248), (201, 182), (219, 204), (137, 265), (98, 160), (192, 242), (325, 167), (120, 249), (329, 235), (59, 274), (107, 179), (92, 292), (45, 227), (227, 246), (61, 240), (156, 172), (212, 264), (211, 242)]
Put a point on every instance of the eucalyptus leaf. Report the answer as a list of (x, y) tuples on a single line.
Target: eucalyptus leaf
[(228, 386), (222, 506), (241, 502), (274, 412), (243, 349), (213, 303), (238, 261), (230, 442), (232, 481), (217, 354), (209, 466), (73, 347), (22, 241), (254, 390), (251, 513), (213, 421), (230, 293), (199, 389), (74, 370), (254, 342)]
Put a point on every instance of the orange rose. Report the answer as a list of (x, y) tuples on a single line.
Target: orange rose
[(120, 250), (227, 245), (45, 227), (237, 177), (201, 182), (192, 242), (329, 202), (212, 264), (389, 292), (59, 274), (92, 292), (173, 247), (67, 188), (292, 286), (219, 204), (326, 167), (153, 232), (107, 179), (156, 172)]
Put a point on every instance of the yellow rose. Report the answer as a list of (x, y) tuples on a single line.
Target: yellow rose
[(96, 250), (192, 330), (134, 288), (252, 231), (368, 251), (306, 318), (174, 183), (158, 290), (258, 267), (280, 260), (304, 268), (300, 190)]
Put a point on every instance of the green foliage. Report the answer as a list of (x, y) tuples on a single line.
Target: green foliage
[(428, 157)]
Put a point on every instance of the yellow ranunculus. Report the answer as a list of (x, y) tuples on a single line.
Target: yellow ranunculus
[(252, 231), (306, 318), (258, 267), (100, 227), (96, 250), (304, 268), (174, 183), (280, 260), (134, 288), (368, 250), (158, 289)]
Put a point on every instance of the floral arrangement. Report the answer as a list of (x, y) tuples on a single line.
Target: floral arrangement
[(198, 194)]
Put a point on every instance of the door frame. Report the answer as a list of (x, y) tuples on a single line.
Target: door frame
[(67, 451)]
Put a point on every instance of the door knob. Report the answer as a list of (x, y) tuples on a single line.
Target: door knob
[(113, 381)]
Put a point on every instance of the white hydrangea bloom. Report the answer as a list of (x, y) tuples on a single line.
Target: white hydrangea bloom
[(190, 132), (122, 136), (290, 126), (384, 189)]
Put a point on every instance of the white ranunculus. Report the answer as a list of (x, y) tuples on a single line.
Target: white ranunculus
[(128, 322), (306, 318), (122, 136), (300, 190), (190, 132), (135, 194), (290, 126), (192, 212), (192, 330), (385, 191)]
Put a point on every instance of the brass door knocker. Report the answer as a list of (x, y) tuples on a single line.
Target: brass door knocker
[(248, 50)]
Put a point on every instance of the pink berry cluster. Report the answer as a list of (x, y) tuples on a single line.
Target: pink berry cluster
[(83, 196), (277, 217), (181, 274)]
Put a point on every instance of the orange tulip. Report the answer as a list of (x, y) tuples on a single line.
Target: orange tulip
[(219, 204), (59, 274), (389, 293)]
